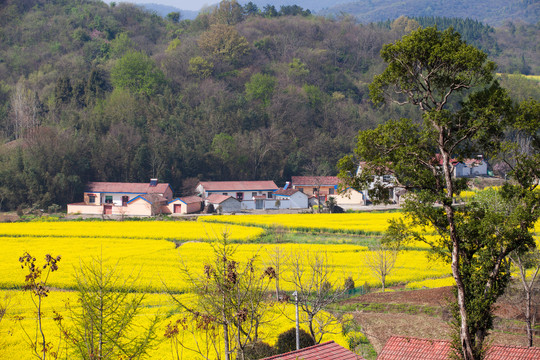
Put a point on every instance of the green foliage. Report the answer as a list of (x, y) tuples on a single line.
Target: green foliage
[(200, 67), (287, 340), (428, 68), (261, 87), (224, 43), (137, 73)]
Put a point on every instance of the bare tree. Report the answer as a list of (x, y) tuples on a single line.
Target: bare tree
[(228, 296), (26, 109), (312, 277), (529, 260), (381, 261), (277, 259), (36, 283)]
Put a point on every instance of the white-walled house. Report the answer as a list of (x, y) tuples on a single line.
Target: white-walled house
[(470, 167), (326, 187), (126, 199), (251, 194), (291, 199), (228, 203)]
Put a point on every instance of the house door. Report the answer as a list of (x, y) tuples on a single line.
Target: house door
[(107, 209), (125, 200), (259, 204), (177, 208)]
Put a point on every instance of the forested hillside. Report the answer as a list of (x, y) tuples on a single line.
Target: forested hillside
[(90, 91), (492, 12)]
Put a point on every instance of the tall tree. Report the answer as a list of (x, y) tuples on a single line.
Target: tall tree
[(433, 71)]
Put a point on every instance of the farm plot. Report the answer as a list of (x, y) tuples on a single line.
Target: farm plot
[(355, 223)]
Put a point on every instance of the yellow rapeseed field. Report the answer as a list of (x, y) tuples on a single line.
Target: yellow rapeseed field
[(168, 230), (354, 223), (14, 346)]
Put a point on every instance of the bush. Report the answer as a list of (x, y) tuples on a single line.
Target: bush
[(258, 350), (287, 341)]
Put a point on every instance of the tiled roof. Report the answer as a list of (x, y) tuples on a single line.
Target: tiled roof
[(239, 185), (217, 198), (286, 192), (131, 188), (315, 180), (150, 198), (190, 199), (325, 351), (408, 348)]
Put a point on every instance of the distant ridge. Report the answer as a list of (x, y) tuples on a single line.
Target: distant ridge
[(492, 12), (163, 10)]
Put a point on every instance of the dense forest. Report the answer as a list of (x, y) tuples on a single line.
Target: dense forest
[(97, 92), (492, 12)]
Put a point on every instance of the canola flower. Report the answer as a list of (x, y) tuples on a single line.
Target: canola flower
[(166, 230), (14, 346), (353, 223), (431, 283)]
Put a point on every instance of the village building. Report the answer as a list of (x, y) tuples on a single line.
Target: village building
[(324, 187), (410, 348), (226, 203), (252, 195), (132, 199), (291, 199), (325, 351)]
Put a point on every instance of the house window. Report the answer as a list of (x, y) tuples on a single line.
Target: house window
[(387, 178), (269, 194), (224, 193), (254, 193), (108, 199), (301, 190), (125, 200), (314, 190), (239, 196), (331, 191), (92, 199)]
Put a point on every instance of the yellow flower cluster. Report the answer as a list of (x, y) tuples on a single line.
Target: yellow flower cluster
[(168, 230), (14, 346), (431, 283), (353, 223)]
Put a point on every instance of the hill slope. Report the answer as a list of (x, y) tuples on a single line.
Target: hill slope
[(492, 12)]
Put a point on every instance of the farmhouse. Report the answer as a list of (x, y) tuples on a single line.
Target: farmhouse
[(385, 182), (227, 203), (184, 205), (409, 348), (328, 351), (127, 199), (291, 199), (251, 194), (325, 187)]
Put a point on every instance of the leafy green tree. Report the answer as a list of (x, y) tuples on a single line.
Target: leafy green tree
[(200, 67), (251, 9), (224, 43), (174, 17), (260, 87), (104, 320), (432, 70), (137, 73), (228, 12)]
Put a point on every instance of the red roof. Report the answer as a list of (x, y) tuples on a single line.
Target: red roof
[(315, 180), (408, 348), (129, 188), (190, 199), (218, 198), (286, 192), (239, 185), (325, 351)]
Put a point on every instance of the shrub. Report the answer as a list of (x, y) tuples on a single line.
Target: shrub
[(258, 350), (287, 341)]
